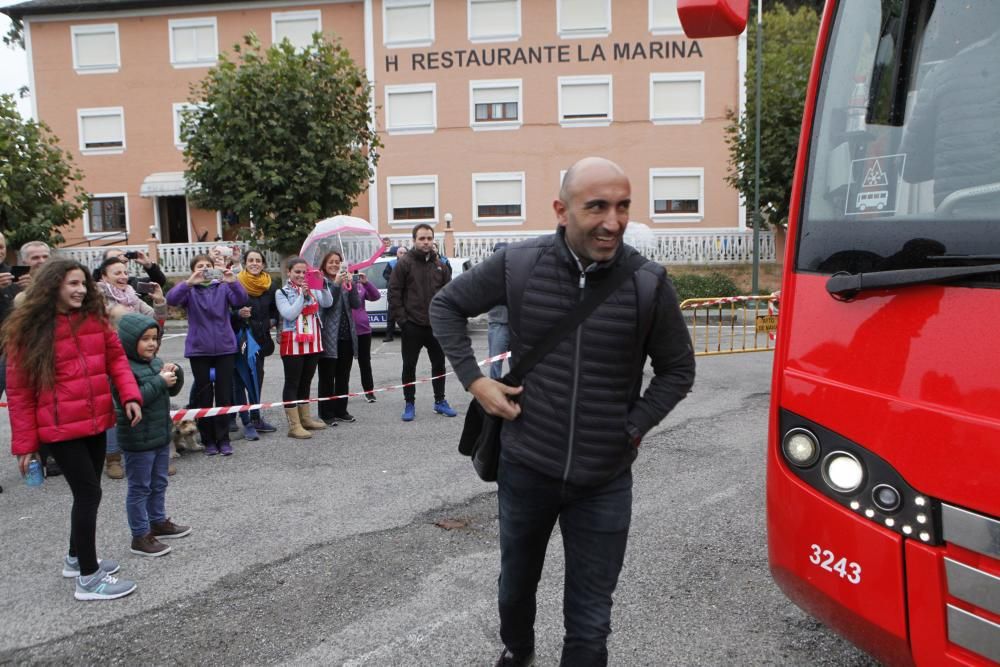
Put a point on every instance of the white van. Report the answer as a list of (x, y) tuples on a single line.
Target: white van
[(378, 312)]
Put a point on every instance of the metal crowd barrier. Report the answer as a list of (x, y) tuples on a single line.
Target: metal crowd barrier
[(731, 325)]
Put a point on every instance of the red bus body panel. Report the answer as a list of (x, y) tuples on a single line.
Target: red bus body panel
[(912, 375)]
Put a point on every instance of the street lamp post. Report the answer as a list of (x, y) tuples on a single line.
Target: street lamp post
[(756, 149)]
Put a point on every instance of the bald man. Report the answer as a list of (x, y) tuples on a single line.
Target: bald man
[(572, 431)]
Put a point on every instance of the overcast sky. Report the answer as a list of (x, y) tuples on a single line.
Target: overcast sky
[(13, 66)]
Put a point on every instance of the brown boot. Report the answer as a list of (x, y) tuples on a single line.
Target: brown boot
[(295, 429), (308, 421), (113, 466)]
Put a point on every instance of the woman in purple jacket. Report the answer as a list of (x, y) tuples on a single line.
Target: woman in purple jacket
[(367, 292), (208, 295)]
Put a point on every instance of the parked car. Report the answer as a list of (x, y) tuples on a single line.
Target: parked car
[(378, 311)]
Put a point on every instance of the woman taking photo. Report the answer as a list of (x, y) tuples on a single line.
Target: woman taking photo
[(60, 353), (112, 283), (301, 343), (340, 339), (366, 292), (210, 346), (259, 317)]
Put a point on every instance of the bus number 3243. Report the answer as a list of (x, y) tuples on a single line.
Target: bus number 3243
[(827, 560)]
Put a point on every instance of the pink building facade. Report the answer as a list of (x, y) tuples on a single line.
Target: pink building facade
[(481, 106)]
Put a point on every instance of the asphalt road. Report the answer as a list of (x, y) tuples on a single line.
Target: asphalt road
[(329, 552)]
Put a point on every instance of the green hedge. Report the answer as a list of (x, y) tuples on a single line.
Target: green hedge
[(702, 285)]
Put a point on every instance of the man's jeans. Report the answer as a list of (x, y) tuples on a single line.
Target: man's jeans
[(498, 338), (594, 522), (145, 502)]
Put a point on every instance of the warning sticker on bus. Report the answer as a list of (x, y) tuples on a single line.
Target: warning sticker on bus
[(873, 185)]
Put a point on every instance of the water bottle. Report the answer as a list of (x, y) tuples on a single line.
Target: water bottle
[(34, 476), (857, 108)]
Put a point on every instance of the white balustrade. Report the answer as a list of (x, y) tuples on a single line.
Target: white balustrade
[(92, 257), (175, 258)]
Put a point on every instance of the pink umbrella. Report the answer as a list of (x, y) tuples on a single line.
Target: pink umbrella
[(355, 238)]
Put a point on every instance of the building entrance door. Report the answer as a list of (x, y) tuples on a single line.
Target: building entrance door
[(173, 219)]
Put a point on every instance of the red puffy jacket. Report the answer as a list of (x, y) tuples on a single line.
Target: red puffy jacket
[(79, 404)]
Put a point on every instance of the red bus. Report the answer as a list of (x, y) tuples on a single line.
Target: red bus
[(883, 452)]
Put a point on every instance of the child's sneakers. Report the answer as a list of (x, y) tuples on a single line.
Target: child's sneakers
[(71, 566), (166, 530), (148, 545), (102, 586)]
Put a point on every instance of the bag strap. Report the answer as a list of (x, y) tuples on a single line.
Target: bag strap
[(574, 318)]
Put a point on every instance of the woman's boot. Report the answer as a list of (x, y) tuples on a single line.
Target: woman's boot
[(295, 429), (113, 466), (308, 421)]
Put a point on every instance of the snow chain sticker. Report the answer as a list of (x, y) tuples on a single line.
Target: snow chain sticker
[(874, 184), (827, 560)]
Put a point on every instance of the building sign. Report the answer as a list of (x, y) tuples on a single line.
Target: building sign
[(544, 55)]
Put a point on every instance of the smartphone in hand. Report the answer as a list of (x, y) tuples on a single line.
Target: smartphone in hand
[(145, 288)]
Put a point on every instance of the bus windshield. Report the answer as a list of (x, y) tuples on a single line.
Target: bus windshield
[(904, 166)]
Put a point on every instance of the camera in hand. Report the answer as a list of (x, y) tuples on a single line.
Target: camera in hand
[(145, 288), (213, 274), (18, 271), (132, 254)]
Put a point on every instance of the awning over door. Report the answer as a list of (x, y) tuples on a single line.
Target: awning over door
[(163, 184)]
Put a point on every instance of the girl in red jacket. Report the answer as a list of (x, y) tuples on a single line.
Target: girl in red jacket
[(60, 352)]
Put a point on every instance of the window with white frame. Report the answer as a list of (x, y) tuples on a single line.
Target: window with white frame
[(663, 17), (584, 18), (101, 130), (95, 48), (498, 198), (408, 22), (585, 100), (179, 112), (193, 42), (494, 20), (106, 214), (677, 194), (410, 109), (495, 104), (296, 27), (412, 199), (677, 97)]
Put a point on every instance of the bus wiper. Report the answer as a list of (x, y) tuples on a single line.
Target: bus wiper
[(977, 258), (845, 286)]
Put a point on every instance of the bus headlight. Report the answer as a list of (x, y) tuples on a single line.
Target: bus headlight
[(843, 472), (886, 498), (800, 447)]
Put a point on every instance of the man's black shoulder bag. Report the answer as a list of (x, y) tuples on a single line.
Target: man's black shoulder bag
[(481, 432)]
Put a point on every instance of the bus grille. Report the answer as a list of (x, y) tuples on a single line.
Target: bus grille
[(971, 585)]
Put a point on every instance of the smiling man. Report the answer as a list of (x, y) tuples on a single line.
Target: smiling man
[(572, 430)]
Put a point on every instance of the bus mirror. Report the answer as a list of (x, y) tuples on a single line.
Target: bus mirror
[(713, 18)]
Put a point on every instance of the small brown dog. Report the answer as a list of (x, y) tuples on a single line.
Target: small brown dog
[(184, 438)]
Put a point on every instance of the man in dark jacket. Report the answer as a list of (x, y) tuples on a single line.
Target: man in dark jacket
[(573, 428), (390, 324), (414, 282)]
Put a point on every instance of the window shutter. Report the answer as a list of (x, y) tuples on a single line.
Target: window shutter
[(98, 131), (590, 99), (493, 18), (665, 14), (297, 31), (498, 193), (677, 99), (412, 195), (99, 49), (584, 15), (494, 95), (411, 110), (676, 188)]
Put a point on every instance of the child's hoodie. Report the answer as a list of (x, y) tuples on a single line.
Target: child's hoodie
[(156, 426)]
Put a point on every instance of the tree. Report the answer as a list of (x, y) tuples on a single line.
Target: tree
[(39, 185), (789, 42), (280, 138)]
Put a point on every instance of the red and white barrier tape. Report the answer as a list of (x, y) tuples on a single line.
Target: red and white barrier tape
[(773, 297), (188, 414)]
